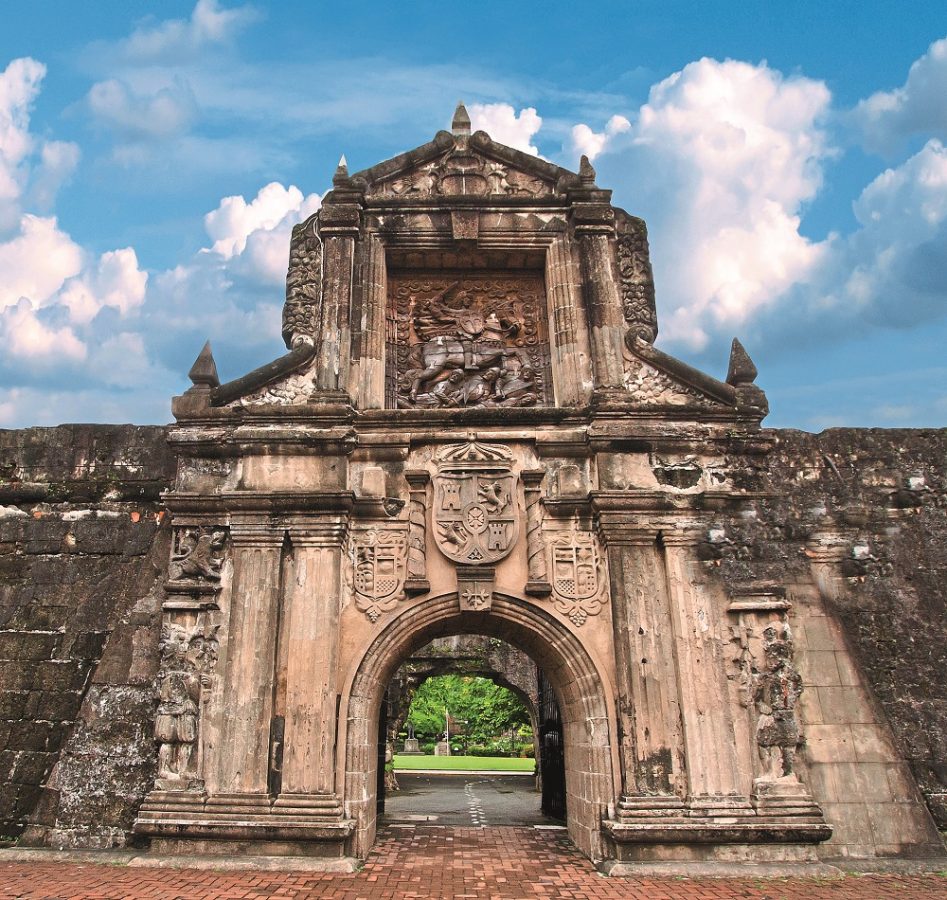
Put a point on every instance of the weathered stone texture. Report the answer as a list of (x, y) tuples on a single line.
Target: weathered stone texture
[(81, 546), (882, 496)]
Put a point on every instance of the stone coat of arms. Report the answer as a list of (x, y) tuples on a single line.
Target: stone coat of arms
[(378, 556), (577, 576), (475, 511)]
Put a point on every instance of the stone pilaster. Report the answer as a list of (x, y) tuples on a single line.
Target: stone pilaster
[(339, 221), (243, 755), (312, 608), (648, 703), (709, 737)]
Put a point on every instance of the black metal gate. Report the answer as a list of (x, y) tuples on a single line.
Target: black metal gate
[(382, 747), (552, 761)]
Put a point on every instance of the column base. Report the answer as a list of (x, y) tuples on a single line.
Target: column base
[(710, 829), (245, 824)]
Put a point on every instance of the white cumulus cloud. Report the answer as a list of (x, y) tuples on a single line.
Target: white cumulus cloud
[(506, 126), (36, 262), (919, 106), (116, 281), (586, 142), (24, 335), (732, 152), (261, 228)]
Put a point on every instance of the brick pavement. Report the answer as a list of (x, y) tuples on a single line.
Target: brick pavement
[(432, 862)]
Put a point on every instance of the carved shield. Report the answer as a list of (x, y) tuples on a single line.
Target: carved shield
[(379, 563), (575, 568), (475, 511)]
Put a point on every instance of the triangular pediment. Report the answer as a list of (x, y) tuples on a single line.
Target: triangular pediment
[(463, 166)]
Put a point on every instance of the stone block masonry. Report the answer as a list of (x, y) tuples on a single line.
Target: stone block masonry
[(82, 547)]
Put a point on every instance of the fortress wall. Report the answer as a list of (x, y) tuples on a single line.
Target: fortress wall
[(82, 551)]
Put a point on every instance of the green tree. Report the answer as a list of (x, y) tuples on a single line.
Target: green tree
[(488, 709)]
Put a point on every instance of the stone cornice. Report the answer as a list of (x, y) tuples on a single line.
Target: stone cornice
[(308, 502)]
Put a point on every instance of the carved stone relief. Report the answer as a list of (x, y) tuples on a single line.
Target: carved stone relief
[(462, 173), (577, 575), (637, 281), (379, 558), (197, 555), (651, 387), (303, 287), (475, 511), (467, 341), (188, 657)]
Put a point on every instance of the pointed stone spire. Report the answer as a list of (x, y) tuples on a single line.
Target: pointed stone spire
[(586, 172), (741, 369), (341, 172), (460, 124), (204, 370)]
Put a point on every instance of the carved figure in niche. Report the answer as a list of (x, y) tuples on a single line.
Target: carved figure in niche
[(777, 688), (198, 554), (187, 658), (469, 342)]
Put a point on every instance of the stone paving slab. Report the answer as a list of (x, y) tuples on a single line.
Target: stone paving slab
[(431, 863)]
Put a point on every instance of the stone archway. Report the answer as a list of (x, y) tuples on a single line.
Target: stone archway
[(571, 671)]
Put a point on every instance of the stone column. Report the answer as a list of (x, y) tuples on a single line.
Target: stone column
[(417, 582), (312, 610), (604, 305), (243, 754), (648, 701), (709, 735), (537, 580)]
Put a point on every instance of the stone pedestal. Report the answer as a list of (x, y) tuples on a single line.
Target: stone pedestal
[(442, 748), (412, 747)]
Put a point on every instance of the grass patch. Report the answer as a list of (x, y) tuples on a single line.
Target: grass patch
[(464, 763)]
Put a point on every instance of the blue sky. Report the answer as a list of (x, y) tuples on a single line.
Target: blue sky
[(789, 158)]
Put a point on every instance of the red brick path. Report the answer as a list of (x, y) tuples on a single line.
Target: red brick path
[(426, 862)]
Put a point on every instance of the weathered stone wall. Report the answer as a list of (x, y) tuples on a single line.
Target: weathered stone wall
[(82, 549), (877, 498), (83, 553)]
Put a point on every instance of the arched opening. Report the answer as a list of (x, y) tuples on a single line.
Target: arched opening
[(466, 755), (579, 687)]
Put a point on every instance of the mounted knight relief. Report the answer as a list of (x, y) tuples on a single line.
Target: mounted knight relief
[(475, 512), (467, 341)]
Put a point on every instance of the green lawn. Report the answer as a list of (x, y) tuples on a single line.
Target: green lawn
[(464, 763)]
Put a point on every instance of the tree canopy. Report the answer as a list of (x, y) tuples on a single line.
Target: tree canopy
[(488, 709)]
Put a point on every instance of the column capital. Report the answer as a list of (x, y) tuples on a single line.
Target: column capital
[(617, 533), (417, 478), (533, 478), (253, 534), (684, 534), (325, 531)]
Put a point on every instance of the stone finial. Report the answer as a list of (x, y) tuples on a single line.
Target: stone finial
[(204, 370), (460, 124), (586, 172), (341, 172), (741, 369)]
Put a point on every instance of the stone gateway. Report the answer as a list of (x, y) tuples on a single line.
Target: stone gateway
[(473, 433)]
